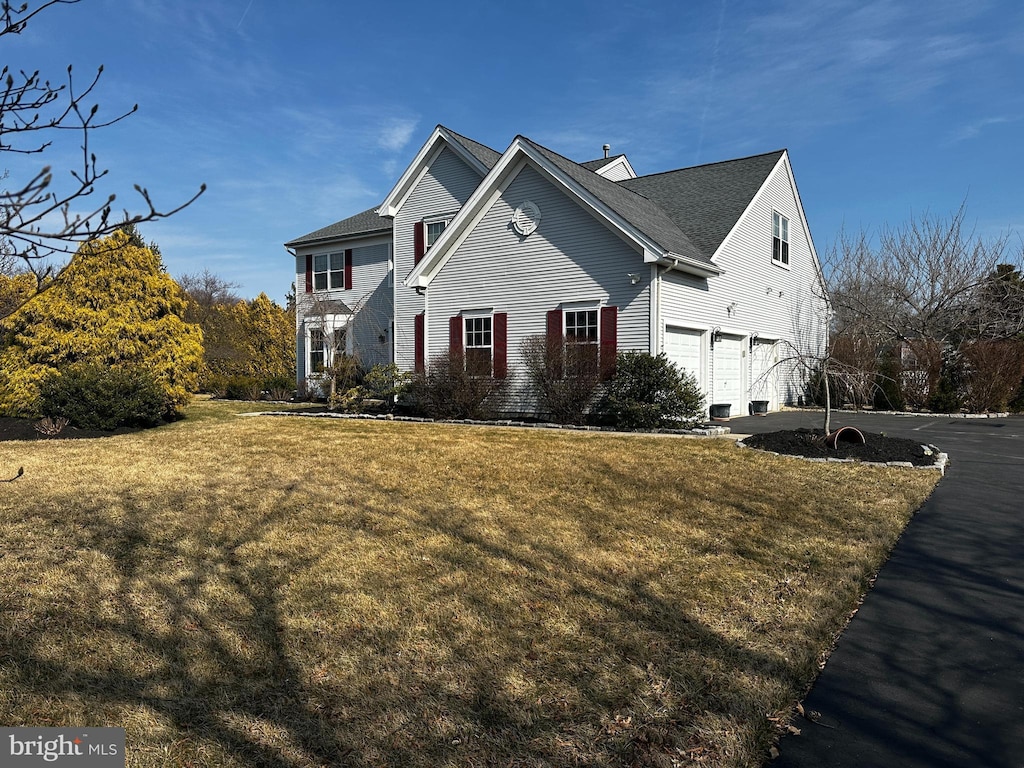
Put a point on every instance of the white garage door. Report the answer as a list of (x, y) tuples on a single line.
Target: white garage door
[(764, 380), (728, 374), (682, 347)]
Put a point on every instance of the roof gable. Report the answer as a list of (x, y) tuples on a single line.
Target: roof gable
[(615, 168), (706, 201), (477, 156), (633, 215)]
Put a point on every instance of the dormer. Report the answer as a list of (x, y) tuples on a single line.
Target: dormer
[(613, 168)]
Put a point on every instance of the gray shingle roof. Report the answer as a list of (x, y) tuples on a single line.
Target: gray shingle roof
[(640, 212), (484, 154), (365, 223), (594, 165), (706, 201)]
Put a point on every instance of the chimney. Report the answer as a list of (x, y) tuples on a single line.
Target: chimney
[(607, 149)]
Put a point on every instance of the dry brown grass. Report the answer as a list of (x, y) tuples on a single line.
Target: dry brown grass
[(305, 592)]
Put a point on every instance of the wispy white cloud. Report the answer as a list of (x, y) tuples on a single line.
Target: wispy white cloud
[(974, 129), (395, 133)]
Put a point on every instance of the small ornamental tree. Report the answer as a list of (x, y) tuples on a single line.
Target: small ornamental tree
[(650, 392), (112, 306)]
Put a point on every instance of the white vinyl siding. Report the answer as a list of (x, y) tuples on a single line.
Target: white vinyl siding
[(765, 300), (444, 188), (370, 296), (572, 258)]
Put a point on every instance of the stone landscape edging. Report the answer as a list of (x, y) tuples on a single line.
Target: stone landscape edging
[(711, 430), (941, 459)]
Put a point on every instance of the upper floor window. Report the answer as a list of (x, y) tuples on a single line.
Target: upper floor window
[(780, 238), (479, 345), (328, 271), (434, 230)]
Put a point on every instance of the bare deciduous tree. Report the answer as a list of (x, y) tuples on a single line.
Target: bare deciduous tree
[(39, 216), (923, 280), (931, 287)]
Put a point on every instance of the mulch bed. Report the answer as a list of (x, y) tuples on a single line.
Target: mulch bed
[(25, 429), (811, 443)]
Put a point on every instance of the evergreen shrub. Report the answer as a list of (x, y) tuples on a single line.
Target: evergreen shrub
[(650, 392), (92, 396)]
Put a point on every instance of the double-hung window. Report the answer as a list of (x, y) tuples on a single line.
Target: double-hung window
[(780, 238), (582, 340), (479, 345), (434, 230), (324, 348), (328, 271)]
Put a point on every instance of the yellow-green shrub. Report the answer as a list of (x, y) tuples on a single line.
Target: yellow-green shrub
[(113, 306)]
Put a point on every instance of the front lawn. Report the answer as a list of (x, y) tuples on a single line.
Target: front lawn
[(271, 591)]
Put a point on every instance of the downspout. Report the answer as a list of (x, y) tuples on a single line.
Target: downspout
[(656, 340)]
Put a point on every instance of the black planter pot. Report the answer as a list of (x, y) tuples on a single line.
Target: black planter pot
[(720, 410), (759, 407)]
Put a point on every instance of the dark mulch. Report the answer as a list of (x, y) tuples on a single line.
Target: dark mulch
[(811, 443), (25, 429)]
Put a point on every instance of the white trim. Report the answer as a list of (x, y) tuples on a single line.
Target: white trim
[(654, 304), (346, 241), (608, 168), (582, 304), (780, 262), (414, 172)]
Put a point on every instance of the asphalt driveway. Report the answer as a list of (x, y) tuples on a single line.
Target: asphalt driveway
[(930, 671)]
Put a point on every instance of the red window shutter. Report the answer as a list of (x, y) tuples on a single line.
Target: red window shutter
[(348, 269), (419, 362), (418, 242), (455, 335), (554, 341), (309, 273), (609, 341), (499, 337)]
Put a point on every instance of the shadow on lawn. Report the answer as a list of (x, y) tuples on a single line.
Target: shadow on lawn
[(192, 677), (219, 664)]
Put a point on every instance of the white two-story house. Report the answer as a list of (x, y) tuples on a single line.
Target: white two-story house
[(477, 251)]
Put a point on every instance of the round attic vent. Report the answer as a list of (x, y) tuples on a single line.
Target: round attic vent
[(526, 218)]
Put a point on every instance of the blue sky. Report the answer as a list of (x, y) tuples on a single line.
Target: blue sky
[(299, 114)]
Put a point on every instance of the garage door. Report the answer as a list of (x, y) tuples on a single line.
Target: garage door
[(728, 374), (763, 374), (682, 347)]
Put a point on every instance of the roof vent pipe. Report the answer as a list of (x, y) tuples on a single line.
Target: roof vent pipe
[(607, 149)]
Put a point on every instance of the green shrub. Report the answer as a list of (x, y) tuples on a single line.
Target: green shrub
[(95, 397), (650, 392), (243, 388), (448, 391), (279, 388), (385, 382)]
